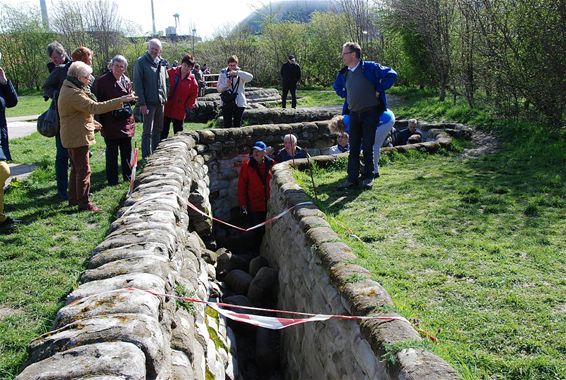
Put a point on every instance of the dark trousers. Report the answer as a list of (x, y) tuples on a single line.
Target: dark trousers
[(177, 126), (79, 180), (255, 218), (4, 139), (362, 131), (232, 116), (61, 167), (123, 145), (286, 90)]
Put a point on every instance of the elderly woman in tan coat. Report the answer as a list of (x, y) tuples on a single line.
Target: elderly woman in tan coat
[(77, 106)]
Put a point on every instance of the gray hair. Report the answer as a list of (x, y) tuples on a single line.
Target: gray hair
[(413, 122), (119, 58), (55, 46), (154, 41), (290, 137), (79, 69)]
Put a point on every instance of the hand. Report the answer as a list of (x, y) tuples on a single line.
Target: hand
[(97, 126), (128, 98), (243, 211), (144, 110), (3, 79)]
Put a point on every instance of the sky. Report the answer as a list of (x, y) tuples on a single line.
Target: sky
[(206, 16)]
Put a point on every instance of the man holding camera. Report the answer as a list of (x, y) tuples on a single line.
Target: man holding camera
[(231, 82), (150, 83)]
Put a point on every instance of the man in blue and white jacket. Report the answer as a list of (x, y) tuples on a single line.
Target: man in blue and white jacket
[(363, 84)]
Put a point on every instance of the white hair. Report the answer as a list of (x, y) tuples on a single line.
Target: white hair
[(290, 137), (79, 69), (154, 41)]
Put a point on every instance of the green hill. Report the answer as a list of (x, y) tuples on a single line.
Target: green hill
[(280, 11)]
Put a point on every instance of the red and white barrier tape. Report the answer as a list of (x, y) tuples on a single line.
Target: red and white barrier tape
[(270, 220), (273, 323)]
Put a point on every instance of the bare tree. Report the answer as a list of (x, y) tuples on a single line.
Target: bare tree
[(22, 42), (433, 21), (96, 24)]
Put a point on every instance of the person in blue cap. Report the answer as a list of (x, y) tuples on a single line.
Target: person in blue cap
[(253, 186)]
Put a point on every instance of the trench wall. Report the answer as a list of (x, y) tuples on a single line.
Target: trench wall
[(104, 331), (314, 267)]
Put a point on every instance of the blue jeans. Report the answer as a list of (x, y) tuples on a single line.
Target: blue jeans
[(362, 136), (61, 167)]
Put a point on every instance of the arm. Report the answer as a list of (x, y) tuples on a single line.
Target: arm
[(244, 76), (339, 85), (52, 84), (193, 93), (8, 91), (222, 84), (243, 186), (386, 76), (83, 103), (138, 83)]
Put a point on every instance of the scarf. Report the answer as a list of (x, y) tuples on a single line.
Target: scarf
[(343, 148), (82, 86)]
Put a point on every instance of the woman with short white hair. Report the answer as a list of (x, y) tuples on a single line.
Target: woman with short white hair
[(118, 127), (77, 106)]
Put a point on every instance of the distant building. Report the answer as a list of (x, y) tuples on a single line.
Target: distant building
[(170, 31)]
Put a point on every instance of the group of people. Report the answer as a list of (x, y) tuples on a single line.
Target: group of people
[(87, 105)]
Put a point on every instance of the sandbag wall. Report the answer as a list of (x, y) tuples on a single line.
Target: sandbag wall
[(316, 275), (105, 331)]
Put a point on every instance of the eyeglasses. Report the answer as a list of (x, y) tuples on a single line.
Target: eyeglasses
[(350, 52)]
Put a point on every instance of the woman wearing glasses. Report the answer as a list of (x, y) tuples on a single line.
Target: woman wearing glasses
[(77, 106)]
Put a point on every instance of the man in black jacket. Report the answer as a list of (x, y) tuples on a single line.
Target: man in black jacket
[(290, 75)]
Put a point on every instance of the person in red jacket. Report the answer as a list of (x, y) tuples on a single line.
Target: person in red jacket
[(183, 93), (253, 187)]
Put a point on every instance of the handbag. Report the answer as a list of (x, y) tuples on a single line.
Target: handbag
[(123, 113), (48, 122), (229, 96)]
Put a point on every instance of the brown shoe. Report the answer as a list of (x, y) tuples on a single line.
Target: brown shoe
[(90, 207)]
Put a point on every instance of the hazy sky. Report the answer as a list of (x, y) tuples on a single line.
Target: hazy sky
[(206, 16)]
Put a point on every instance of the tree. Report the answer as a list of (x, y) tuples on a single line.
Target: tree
[(23, 41)]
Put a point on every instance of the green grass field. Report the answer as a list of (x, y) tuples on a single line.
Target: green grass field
[(472, 248)]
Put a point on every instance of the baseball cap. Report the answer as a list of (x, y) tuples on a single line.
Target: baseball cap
[(259, 145)]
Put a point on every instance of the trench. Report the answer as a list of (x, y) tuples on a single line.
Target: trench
[(157, 252)]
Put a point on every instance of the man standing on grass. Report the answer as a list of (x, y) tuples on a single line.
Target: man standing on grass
[(290, 75), (363, 84), (150, 83)]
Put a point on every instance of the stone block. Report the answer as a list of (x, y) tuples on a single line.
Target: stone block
[(140, 330), (110, 360), (109, 255), (144, 281), (111, 302), (365, 296), (416, 364), (153, 265)]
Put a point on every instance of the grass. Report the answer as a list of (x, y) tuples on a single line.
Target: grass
[(28, 105), (315, 98), (472, 249), (43, 256)]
